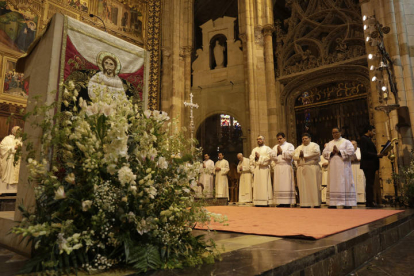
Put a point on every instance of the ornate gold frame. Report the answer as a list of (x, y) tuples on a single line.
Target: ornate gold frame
[(153, 46), (4, 97)]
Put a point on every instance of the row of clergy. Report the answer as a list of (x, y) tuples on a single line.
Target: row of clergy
[(334, 177)]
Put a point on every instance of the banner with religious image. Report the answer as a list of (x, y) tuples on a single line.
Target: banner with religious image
[(92, 58)]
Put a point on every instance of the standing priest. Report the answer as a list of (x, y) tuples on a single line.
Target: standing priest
[(358, 174), (245, 185), (262, 184), (283, 181), (307, 157), (341, 187), (207, 176), (9, 169), (222, 182)]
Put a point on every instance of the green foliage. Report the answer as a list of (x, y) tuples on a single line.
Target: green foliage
[(113, 187), (405, 178)]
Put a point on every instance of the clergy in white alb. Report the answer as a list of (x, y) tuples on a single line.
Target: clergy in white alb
[(341, 187), (246, 179), (324, 167), (309, 174), (206, 178), (222, 183), (9, 171), (284, 193), (262, 185), (358, 174)]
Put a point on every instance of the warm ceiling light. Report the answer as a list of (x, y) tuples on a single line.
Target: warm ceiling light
[(364, 18), (365, 27), (372, 68), (368, 38), (374, 78), (370, 56), (384, 88)]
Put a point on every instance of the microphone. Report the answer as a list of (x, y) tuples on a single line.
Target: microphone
[(91, 15)]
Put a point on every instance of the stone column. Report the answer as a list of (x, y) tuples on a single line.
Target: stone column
[(176, 48), (253, 52), (271, 87), (185, 55), (390, 13)]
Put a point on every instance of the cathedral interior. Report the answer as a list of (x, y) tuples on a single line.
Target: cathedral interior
[(246, 68)]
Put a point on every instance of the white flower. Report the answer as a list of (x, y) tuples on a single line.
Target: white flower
[(147, 113), (111, 169), (71, 85), (126, 176), (92, 110), (152, 153), (152, 192), (162, 163), (70, 178), (107, 110), (86, 205), (160, 115), (60, 193)]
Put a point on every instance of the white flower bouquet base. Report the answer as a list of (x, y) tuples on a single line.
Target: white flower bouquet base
[(117, 191)]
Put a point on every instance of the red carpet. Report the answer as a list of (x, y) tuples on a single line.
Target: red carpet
[(314, 223)]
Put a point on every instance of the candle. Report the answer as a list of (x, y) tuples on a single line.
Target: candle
[(386, 129)]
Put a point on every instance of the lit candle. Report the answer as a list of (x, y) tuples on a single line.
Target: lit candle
[(386, 129)]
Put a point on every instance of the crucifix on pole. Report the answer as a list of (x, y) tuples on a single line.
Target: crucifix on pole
[(191, 105)]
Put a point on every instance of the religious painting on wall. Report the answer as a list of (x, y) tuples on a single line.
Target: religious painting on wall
[(14, 84), (122, 17), (96, 61), (17, 28), (80, 5)]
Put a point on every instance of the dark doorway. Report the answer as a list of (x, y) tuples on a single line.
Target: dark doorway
[(342, 105), (221, 133)]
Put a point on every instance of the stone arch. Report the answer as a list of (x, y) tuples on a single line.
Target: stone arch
[(239, 117), (211, 135), (295, 87)]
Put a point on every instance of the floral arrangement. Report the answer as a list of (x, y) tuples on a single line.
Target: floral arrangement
[(405, 179), (112, 187)]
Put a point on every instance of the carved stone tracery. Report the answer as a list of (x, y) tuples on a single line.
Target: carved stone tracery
[(320, 32)]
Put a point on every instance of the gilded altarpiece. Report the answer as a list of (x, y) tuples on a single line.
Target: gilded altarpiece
[(22, 21)]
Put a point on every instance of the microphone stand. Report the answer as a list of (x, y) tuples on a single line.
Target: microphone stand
[(91, 15)]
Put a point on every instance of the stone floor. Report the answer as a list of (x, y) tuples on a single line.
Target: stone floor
[(263, 255), (397, 260)]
